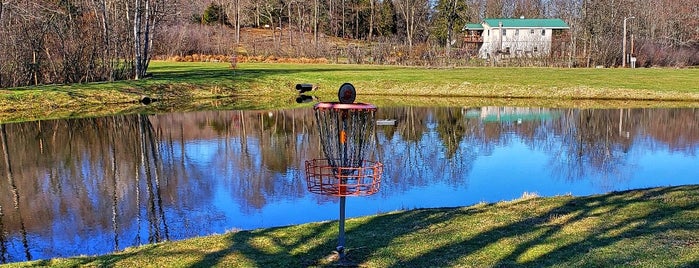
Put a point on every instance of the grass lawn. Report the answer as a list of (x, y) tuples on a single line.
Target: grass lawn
[(656, 227), (182, 86), (637, 84)]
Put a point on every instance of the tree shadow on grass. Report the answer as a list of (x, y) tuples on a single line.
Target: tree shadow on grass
[(314, 246), (617, 229), (580, 232), (274, 247), (653, 227), (215, 73)]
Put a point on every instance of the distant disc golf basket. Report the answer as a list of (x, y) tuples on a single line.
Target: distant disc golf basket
[(346, 132)]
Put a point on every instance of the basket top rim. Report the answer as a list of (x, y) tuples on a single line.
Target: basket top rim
[(344, 106)]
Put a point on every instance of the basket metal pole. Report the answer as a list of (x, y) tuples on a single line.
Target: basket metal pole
[(341, 231), (341, 238)]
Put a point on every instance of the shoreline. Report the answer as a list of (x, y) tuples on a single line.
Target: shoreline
[(190, 86), (646, 227)]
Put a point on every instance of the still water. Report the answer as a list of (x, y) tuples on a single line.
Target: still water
[(93, 186)]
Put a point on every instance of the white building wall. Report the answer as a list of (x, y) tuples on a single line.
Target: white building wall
[(521, 41)]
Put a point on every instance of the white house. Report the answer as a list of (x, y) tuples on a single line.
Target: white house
[(513, 37)]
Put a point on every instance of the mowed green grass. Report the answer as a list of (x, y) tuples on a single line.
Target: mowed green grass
[(656, 227), (182, 86), (631, 84)]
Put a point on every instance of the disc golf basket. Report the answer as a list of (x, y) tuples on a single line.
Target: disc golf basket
[(346, 130)]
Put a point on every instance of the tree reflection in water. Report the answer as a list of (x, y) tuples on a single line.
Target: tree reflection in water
[(593, 143), (15, 199), (90, 186)]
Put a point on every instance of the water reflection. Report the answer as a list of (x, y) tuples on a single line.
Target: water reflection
[(91, 186)]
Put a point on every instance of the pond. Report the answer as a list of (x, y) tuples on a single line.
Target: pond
[(96, 185)]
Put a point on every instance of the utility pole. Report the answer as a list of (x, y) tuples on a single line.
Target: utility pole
[(623, 61), (500, 36)]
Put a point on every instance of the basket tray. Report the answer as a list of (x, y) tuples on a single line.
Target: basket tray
[(321, 178)]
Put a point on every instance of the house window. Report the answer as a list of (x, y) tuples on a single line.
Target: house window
[(517, 32), (536, 49), (504, 32), (531, 31), (488, 33), (543, 32), (507, 50)]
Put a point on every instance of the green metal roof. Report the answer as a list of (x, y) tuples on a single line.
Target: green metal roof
[(527, 23), (473, 26)]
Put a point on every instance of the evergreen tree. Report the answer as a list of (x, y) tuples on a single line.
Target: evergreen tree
[(387, 19), (450, 17), (214, 13)]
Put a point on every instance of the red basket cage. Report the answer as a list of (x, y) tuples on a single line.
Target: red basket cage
[(322, 178)]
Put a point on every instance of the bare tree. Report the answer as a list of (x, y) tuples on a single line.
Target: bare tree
[(269, 10), (528, 8), (315, 23), (232, 9), (145, 18), (411, 11), (371, 19), (494, 8)]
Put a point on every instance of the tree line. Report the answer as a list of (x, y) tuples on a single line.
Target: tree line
[(69, 41), (76, 41)]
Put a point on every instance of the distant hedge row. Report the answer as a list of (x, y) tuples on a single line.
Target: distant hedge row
[(243, 59)]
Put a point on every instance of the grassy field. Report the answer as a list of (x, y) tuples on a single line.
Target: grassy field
[(637, 84), (192, 86), (644, 228)]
